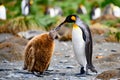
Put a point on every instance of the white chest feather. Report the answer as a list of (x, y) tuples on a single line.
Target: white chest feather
[(79, 46), (2, 12), (84, 10), (97, 13), (116, 11), (25, 9)]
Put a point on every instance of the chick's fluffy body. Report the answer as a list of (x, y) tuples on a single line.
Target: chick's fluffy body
[(38, 53)]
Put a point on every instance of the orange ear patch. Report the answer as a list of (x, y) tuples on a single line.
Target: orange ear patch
[(73, 18)]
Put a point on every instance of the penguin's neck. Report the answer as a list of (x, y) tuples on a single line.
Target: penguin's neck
[(75, 26), (1, 6), (76, 30), (80, 23)]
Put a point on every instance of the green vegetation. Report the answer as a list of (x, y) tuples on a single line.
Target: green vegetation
[(37, 18), (38, 8)]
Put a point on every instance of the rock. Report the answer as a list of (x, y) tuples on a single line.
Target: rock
[(70, 67), (99, 56), (30, 34), (12, 49), (5, 36), (5, 61), (109, 58), (63, 61), (109, 74), (67, 56), (56, 78), (17, 40), (113, 50)]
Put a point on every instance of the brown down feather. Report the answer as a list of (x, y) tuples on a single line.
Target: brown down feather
[(38, 53)]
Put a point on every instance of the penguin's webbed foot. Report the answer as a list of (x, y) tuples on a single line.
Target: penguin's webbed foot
[(92, 68), (82, 73)]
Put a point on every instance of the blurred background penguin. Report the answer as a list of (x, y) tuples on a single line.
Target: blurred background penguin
[(2, 12)]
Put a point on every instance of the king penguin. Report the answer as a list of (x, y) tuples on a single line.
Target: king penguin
[(81, 9), (25, 7), (116, 10), (2, 12), (95, 12), (82, 43), (53, 11)]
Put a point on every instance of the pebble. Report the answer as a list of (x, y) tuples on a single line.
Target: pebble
[(67, 56), (56, 78), (5, 36), (50, 68), (30, 34), (63, 61), (5, 61), (113, 50), (70, 67)]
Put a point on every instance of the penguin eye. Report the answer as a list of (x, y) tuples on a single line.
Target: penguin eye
[(73, 18)]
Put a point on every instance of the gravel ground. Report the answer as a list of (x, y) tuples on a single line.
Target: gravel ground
[(64, 65)]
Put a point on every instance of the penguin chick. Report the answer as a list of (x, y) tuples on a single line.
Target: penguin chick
[(39, 51)]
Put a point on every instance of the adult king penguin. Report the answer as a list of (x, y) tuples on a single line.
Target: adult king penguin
[(2, 12), (95, 12), (25, 7), (82, 43), (81, 9)]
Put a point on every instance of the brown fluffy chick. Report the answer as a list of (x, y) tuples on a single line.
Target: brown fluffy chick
[(39, 51)]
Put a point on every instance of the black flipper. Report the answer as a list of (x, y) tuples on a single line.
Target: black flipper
[(88, 47)]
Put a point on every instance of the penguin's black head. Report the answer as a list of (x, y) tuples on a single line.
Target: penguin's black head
[(69, 19), (0, 3)]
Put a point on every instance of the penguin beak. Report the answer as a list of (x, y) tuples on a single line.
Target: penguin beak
[(58, 27)]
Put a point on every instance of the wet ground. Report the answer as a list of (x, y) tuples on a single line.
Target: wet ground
[(64, 65)]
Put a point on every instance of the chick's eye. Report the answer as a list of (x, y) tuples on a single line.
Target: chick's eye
[(73, 18)]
